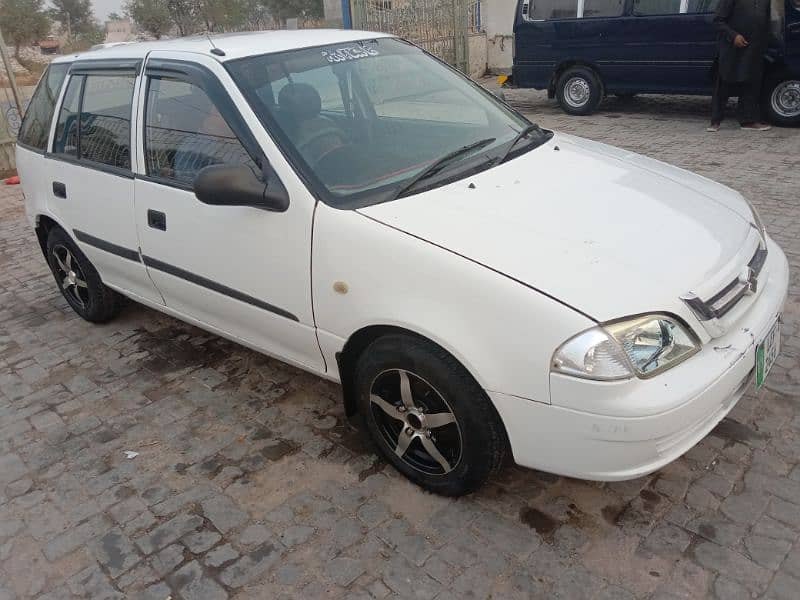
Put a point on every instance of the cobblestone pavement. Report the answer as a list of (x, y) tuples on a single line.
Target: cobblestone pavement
[(249, 483)]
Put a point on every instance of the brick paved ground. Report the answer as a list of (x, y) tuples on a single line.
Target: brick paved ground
[(249, 483)]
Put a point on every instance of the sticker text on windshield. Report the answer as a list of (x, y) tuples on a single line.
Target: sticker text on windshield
[(348, 53)]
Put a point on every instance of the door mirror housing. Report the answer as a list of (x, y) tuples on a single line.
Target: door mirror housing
[(237, 185)]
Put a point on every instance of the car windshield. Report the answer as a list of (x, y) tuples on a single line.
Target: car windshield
[(368, 121)]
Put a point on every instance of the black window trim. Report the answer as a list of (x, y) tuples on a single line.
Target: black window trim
[(107, 66), (43, 81), (203, 78), (88, 163)]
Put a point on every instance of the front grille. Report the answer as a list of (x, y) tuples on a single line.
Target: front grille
[(721, 303)]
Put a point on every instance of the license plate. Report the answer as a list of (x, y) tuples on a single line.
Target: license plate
[(766, 353)]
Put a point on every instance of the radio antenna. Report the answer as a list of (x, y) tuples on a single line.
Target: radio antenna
[(214, 50)]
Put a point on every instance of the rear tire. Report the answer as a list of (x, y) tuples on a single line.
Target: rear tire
[(428, 416), (781, 100), (579, 91), (79, 281)]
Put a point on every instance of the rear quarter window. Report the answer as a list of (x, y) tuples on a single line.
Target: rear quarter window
[(35, 127)]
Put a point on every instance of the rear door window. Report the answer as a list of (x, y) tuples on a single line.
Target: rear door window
[(35, 127), (66, 138), (105, 135)]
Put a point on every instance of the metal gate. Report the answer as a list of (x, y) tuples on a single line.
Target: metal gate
[(438, 26)]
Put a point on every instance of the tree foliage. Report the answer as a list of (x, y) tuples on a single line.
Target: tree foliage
[(185, 17), (23, 22), (152, 16), (77, 18)]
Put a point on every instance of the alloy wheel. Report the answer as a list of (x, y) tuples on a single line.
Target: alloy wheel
[(70, 276), (416, 422)]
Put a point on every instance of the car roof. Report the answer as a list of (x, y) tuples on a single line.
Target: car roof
[(235, 45)]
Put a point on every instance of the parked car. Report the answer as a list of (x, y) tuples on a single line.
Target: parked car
[(349, 204), (582, 51)]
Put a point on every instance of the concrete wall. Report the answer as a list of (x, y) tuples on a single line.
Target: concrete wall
[(497, 19), (477, 55)]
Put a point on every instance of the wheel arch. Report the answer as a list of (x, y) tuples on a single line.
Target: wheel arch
[(360, 340), (44, 225)]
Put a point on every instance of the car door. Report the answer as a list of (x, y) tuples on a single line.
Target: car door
[(89, 171), (242, 271), (668, 46)]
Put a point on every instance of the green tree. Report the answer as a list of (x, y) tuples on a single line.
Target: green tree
[(23, 22), (114, 16), (152, 16), (183, 14), (77, 19)]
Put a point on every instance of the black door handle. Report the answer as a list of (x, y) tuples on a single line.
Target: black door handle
[(59, 189), (157, 220)]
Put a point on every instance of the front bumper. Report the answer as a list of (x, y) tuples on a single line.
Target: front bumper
[(610, 431)]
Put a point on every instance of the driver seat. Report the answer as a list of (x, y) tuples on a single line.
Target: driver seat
[(314, 135)]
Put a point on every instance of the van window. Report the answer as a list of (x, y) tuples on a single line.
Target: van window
[(702, 6), (106, 120), (184, 132), (542, 10), (66, 139), (35, 127), (656, 7), (603, 8)]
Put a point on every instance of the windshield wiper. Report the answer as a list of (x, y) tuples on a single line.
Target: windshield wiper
[(441, 163), (524, 132)]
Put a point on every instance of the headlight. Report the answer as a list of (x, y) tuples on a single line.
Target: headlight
[(641, 346)]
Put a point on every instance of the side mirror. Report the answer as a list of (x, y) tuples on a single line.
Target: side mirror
[(237, 185)]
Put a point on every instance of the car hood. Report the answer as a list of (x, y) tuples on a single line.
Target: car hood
[(606, 231)]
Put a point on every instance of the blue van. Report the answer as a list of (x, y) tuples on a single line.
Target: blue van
[(583, 50)]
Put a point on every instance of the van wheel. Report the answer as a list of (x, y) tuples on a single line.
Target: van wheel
[(781, 101), (79, 281), (579, 91), (428, 416)]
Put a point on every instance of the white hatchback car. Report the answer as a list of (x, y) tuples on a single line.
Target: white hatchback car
[(347, 203)]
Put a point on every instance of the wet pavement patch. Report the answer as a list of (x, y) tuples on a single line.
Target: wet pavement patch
[(534, 518), (732, 431), (613, 513)]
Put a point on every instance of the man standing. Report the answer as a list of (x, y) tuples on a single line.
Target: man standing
[(743, 28)]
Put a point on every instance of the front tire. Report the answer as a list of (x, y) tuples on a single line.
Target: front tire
[(579, 91), (781, 100), (428, 416), (79, 281)]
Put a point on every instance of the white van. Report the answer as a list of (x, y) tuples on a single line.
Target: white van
[(347, 203)]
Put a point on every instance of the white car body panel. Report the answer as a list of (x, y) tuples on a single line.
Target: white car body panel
[(499, 273), (533, 219), (260, 254), (613, 431), (503, 333)]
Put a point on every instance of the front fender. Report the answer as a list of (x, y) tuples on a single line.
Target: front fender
[(503, 332)]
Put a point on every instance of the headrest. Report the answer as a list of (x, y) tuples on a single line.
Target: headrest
[(300, 100)]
